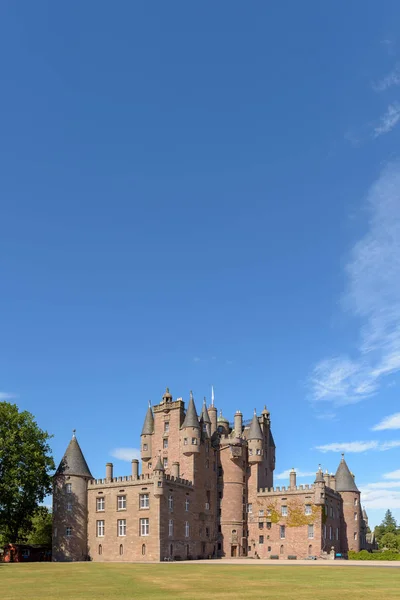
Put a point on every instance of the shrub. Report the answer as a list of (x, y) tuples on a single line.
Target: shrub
[(365, 555)]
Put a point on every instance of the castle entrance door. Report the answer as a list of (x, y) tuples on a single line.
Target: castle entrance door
[(233, 551)]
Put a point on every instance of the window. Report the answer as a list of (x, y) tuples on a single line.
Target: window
[(260, 513), (337, 533), (260, 539), (170, 528), (69, 506), (121, 527), (68, 531), (100, 549), (121, 503), (144, 500), (330, 532), (194, 441), (166, 427), (258, 452), (307, 509), (269, 548), (145, 447), (149, 465), (187, 529), (250, 452), (260, 525), (143, 549), (324, 531), (331, 511), (249, 508), (282, 532), (100, 528), (205, 427), (268, 525), (144, 527), (207, 506), (185, 441), (171, 502), (268, 512), (355, 501), (68, 488), (100, 504), (311, 532), (355, 516), (121, 550), (281, 550), (186, 504), (165, 443), (355, 535), (284, 511)]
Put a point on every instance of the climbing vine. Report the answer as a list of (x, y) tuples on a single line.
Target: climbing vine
[(296, 516)]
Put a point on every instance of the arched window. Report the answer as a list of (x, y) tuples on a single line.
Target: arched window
[(282, 549), (143, 549), (310, 550), (100, 549), (121, 550)]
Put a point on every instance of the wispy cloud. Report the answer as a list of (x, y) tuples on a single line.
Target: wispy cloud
[(299, 474), (392, 475), (126, 453), (383, 497), (391, 422), (388, 120), (373, 296), (353, 447), (391, 79), (382, 484), (4, 396), (329, 416)]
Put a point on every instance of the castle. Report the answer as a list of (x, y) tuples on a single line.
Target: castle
[(205, 489)]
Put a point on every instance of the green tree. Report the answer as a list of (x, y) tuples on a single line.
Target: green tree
[(25, 465), (41, 527), (388, 525), (390, 540)]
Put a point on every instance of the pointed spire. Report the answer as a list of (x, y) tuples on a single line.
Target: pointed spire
[(191, 418), (319, 476), (73, 461), (148, 425), (159, 465), (255, 432), (204, 413), (344, 479)]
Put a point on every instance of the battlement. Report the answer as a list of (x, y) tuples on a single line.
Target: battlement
[(148, 477), (287, 490), (164, 406)]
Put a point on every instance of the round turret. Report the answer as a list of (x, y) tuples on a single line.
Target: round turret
[(190, 430), (158, 477), (222, 424), (147, 435), (255, 441)]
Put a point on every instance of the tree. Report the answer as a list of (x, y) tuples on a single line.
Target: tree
[(25, 465), (388, 526), (41, 527), (390, 540)]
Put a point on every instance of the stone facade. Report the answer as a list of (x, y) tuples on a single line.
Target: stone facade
[(205, 490)]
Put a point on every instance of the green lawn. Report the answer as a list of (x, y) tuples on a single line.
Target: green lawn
[(94, 581)]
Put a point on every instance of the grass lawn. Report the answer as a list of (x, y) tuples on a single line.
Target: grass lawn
[(49, 581)]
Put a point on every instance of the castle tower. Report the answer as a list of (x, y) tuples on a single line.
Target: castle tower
[(346, 486), (146, 436), (255, 441), (222, 424), (158, 476), (69, 541), (190, 430), (319, 488), (206, 421)]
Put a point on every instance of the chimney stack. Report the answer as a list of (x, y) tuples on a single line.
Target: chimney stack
[(135, 468), (109, 471)]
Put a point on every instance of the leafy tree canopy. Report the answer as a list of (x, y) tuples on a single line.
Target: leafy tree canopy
[(25, 466)]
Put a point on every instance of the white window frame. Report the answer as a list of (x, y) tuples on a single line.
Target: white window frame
[(170, 503), (165, 462), (187, 503), (121, 527), (69, 506), (144, 501), (165, 443), (144, 527), (100, 504), (308, 510), (121, 502), (356, 516), (282, 530), (170, 528), (284, 510), (187, 529), (166, 426), (68, 488), (250, 508), (68, 531), (100, 528), (310, 531)]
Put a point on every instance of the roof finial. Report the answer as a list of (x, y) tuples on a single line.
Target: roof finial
[(149, 403), (204, 401), (255, 411), (73, 433), (319, 468), (212, 395), (342, 456), (191, 395)]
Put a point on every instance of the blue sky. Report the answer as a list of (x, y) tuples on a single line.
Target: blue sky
[(196, 194)]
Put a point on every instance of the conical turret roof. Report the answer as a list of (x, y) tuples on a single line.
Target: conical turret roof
[(159, 465), (148, 425), (191, 418), (73, 461), (344, 479), (255, 432), (319, 476), (204, 413)]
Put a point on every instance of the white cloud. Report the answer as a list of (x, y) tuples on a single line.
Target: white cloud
[(383, 484), (353, 447), (372, 295), (125, 453), (388, 120), (392, 78), (299, 473), (391, 422), (6, 396), (392, 475), (383, 498)]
